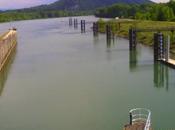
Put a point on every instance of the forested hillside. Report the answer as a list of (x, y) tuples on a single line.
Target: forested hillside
[(156, 12), (88, 4)]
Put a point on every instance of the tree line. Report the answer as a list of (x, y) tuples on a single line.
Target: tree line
[(156, 12), (15, 15)]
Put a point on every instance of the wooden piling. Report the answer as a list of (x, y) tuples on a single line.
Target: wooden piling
[(83, 26), (95, 28), (75, 23), (7, 44), (108, 32), (70, 21)]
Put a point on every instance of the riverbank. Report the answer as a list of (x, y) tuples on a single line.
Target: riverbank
[(121, 27), (8, 16)]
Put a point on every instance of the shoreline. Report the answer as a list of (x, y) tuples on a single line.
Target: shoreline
[(121, 27)]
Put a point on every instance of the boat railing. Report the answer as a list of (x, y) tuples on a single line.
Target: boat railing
[(140, 115)]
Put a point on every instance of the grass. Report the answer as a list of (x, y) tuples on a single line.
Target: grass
[(121, 28)]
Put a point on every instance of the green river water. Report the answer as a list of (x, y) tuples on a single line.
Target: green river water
[(61, 79)]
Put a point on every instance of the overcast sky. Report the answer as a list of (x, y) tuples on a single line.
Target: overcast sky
[(13, 4), (160, 0)]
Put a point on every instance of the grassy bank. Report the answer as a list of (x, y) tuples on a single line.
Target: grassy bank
[(121, 28)]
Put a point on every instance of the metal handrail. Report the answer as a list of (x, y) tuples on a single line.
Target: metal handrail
[(141, 114)]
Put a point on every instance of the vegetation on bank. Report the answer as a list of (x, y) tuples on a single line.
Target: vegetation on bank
[(33, 14), (121, 28), (155, 12), (146, 11), (85, 5), (61, 8)]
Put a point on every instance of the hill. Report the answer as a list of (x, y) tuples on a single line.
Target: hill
[(64, 8), (78, 5)]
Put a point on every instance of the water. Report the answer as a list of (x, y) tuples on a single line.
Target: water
[(60, 79)]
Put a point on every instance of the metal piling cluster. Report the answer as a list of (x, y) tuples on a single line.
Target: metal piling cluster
[(161, 47), (75, 23), (132, 39)]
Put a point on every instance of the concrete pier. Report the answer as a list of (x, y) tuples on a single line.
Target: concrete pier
[(8, 42)]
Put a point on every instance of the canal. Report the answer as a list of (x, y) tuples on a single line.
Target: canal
[(61, 79)]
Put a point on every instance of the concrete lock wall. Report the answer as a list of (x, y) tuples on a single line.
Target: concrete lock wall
[(8, 42)]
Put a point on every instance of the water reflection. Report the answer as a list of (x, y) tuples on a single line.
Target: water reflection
[(110, 42), (96, 38), (161, 71), (95, 33), (161, 75), (4, 72), (133, 60)]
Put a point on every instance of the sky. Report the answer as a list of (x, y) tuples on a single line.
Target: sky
[(160, 1), (16, 4)]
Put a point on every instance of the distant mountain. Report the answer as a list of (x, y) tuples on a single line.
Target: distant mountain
[(86, 4)]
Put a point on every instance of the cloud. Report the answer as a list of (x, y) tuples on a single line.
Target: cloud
[(14, 4), (162, 1)]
